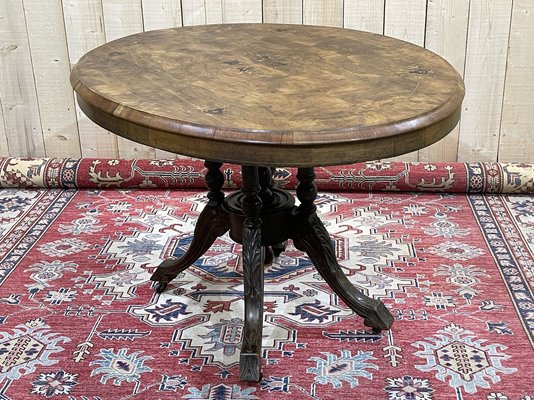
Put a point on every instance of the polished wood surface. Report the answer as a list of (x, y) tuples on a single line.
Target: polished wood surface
[(262, 94)]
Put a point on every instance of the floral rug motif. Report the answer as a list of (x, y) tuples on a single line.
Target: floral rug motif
[(79, 318)]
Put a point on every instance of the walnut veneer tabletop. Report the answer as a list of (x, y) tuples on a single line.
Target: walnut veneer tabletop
[(265, 94)]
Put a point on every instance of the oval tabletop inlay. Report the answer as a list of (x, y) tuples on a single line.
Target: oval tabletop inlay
[(265, 94)]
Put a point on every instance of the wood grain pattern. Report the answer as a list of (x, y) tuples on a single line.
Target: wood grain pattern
[(405, 19), (364, 15), (194, 12), (241, 11), (160, 14), (4, 147), (125, 17), (324, 13), (328, 92), (487, 47), (516, 141), (121, 18), (446, 35), (56, 105), (22, 122), (84, 28), (282, 11)]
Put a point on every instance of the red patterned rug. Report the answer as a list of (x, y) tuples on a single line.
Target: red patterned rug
[(80, 320)]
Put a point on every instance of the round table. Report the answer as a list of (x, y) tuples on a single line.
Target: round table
[(266, 95)]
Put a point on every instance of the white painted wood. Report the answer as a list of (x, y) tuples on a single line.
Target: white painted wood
[(159, 14), (487, 46), (517, 126), (84, 27), (364, 15), (446, 34), (282, 11), (34, 94), (194, 12), (4, 148), (22, 124), (51, 64), (240, 11), (323, 12), (214, 11), (405, 19), (95, 141), (123, 18)]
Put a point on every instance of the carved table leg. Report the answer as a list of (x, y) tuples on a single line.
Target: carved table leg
[(212, 222), (250, 359), (311, 236)]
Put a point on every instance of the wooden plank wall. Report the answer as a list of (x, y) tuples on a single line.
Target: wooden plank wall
[(490, 42)]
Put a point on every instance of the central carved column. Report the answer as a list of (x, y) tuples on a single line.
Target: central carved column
[(250, 359)]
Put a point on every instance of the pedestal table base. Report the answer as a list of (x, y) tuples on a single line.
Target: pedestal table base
[(262, 219)]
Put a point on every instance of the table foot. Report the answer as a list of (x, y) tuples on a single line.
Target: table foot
[(312, 237), (160, 287), (250, 367)]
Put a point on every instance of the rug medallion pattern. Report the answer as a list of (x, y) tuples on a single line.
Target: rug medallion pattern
[(80, 320)]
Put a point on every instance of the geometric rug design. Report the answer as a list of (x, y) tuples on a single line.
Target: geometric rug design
[(448, 248), (80, 320)]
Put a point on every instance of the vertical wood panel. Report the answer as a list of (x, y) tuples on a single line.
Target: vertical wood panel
[(122, 18), (241, 11), (4, 148), (489, 26), (213, 11), (282, 11), (22, 124), (405, 19), (364, 15), (159, 14), (517, 126), (446, 33), (51, 63), (35, 110), (193, 12), (84, 26), (323, 12), (197, 12)]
